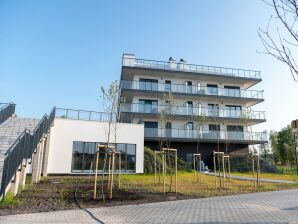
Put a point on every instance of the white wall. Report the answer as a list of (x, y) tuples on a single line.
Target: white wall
[(65, 131)]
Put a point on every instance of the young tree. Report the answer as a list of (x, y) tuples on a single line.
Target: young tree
[(282, 42), (201, 119), (111, 106), (245, 117), (167, 110)]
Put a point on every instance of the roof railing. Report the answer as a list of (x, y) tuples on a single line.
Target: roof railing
[(82, 115), (172, 65)]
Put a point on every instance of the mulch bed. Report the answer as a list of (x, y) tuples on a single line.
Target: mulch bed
[(55, 194)]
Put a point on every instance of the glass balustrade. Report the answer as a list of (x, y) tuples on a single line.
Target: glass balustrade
[(193, 111), (186, 89), (207, 135)]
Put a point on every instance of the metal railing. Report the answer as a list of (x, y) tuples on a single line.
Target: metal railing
[(193, 90), (192, 111), (204, 135), (6, 111), (82, 115), (181, 66), (23, 148)]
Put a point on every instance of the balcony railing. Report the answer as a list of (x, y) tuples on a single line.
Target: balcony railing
[(195, 90), (204, 135), (83, 115), (181, 66), (192, 111)]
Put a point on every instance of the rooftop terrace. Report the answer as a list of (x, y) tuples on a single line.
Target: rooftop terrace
[(129, 60)]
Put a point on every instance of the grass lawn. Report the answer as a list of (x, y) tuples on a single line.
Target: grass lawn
[(57, 193), (276, 176)]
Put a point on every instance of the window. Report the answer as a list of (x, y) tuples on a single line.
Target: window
[(213, 110), (130, 157), (83, 157), (151, 129), (189, 107), (189, 126), (89, 158), (198, 87), (168, 125), (235, 132), (214, 127), (148, 84), (235, 128), (233, 111), (188, 86), (168, 85), (212, 89), (199, 109), (148, 106), (77, 156), (232, 91)]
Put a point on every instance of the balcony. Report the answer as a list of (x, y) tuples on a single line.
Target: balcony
[(194, 135), (193, 111), (131, 61), (192, 90)]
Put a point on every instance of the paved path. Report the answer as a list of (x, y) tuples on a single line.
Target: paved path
[(262, 179), (268, 207)]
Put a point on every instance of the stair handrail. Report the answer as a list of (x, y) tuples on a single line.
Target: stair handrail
[(27, 150), (7, 111), (15, 142)]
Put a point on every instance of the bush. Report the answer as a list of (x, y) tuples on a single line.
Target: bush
[(149, 162), (244, 164)]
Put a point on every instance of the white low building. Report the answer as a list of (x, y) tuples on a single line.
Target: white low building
[(73, 143)]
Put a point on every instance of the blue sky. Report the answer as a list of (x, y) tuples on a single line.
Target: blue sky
[(60, 52)]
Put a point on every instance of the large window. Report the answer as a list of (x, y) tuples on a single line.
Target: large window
[(212, 89), (232, 91), (148, 106), (83, 157), (148, 84), (233, 111)]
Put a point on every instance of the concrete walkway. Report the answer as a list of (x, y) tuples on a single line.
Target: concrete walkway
[(267, 207), (262, 179)]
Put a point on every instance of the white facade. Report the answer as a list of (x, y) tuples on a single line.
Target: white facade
[(65, 131), (223, 94)]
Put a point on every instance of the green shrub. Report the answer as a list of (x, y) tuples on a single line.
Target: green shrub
[(149, 162), (244, 164), (8, 199)]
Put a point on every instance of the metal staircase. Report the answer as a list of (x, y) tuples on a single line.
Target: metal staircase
[(19, 138)]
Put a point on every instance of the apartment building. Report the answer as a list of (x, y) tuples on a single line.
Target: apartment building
[(222, 96)]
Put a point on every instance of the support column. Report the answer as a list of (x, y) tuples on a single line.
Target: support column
[(36, 164), (23, 175), (42, 146), (15, 184), (46, 155)]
